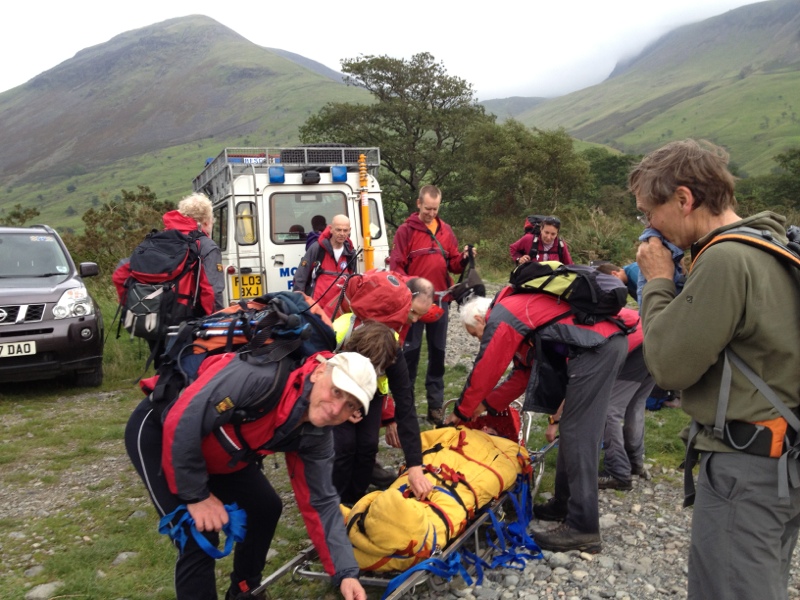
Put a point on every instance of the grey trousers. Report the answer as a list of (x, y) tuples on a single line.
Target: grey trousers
[(623, 440), (743, 537), (591, 376)]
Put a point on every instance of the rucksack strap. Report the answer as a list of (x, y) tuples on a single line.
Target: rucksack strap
[(788, 471)]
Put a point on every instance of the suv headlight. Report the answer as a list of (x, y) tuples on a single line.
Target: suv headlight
[(74, 303)]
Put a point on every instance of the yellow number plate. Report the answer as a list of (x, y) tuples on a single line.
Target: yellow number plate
[(246, 286)]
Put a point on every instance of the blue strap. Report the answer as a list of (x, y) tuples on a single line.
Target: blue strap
[(446, 569), (178, 532), (473, 559)]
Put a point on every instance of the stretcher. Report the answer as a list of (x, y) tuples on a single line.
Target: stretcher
[(481, 545)]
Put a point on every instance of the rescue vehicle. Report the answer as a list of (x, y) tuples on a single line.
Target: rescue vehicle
[(265, 199)]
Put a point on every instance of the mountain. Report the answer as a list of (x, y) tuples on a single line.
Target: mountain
[(506, 108), (733, 79), (148, 107)]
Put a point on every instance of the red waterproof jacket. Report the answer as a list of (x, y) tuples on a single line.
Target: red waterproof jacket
[(212, 278), (506, 340), (320, 275), (199, 441), (417, 254), (523, 246)]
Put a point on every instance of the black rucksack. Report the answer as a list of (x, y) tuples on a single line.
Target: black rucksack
[(163, 286), (533, 225), (280, 327), (592, 295)]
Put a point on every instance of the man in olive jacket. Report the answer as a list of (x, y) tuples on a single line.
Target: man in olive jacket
[(736, 298)]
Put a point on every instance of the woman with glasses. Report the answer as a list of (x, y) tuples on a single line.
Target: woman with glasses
[(541, 242)]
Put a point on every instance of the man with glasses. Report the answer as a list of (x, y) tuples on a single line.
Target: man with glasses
[(325, 263), (208, 454), (541, 242), (739, 305), (425, 246)]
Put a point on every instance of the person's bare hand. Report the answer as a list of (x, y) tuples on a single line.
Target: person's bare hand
[(551, 432), (208, 514), (392, 437), (418, 483), (352, 589), (655, 260), (451, 420), (523, 259)]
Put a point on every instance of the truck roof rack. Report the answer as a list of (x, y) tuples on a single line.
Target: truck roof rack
[(293, 159)]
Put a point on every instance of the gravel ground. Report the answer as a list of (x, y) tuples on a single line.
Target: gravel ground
[(645, 531), (645, 539)]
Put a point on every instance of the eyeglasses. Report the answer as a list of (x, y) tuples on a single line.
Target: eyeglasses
[(353, 408), (644, 218)]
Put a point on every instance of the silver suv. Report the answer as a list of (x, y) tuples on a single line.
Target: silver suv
[(49, 324)]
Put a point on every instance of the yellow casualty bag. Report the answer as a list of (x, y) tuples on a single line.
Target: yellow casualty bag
[(393, 531)]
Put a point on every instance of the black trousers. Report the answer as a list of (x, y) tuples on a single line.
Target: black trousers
[(249, 488), (356, 446)]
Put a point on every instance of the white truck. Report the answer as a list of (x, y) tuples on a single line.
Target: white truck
[(266, 198)]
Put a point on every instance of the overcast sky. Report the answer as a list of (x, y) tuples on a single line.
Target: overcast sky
[(503, 48)]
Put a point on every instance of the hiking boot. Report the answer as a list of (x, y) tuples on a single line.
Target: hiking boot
[(642, 471), (552, 510), (436, 416), (233, 594), (609, 482), (381, 478), (564, 538)]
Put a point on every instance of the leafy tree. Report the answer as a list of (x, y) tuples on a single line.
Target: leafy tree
[(419, 119), (609, 168), (519, 170), (779, 191), (114, 229), (18, 216)]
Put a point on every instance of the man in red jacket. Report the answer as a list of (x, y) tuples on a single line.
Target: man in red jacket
[(563, 361), (206, 455), (325, 263), (425, 246)]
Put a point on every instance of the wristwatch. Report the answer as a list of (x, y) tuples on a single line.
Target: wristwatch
[(552, 420)]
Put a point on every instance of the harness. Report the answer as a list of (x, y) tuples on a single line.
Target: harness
[(774, 438)]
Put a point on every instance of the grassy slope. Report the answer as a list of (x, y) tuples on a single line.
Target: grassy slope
[(732, 79), (187, 87)]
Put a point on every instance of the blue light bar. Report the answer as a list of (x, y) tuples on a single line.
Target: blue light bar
[(339, 173), (277, 175)]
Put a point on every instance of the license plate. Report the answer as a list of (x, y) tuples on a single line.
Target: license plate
[(17, 349), (245, 286)]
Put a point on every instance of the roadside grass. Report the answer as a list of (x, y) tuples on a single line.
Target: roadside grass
[(72, 506)]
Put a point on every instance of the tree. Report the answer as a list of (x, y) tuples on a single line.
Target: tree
[(114, 229), (419, 120), (520, 170), (18, 216)]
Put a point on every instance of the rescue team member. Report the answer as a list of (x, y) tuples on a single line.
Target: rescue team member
[(549, 244), (194, 212), (596, 354), (736, 298), (425, 246), (325, 263), (200, 459), (356, 443)]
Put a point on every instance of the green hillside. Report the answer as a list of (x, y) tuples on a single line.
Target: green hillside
[(147, 108), (734, 79)]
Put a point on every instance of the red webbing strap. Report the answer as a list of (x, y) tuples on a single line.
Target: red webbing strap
[(460, 449)]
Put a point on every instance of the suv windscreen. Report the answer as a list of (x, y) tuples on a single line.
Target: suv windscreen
[(31, 255)]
